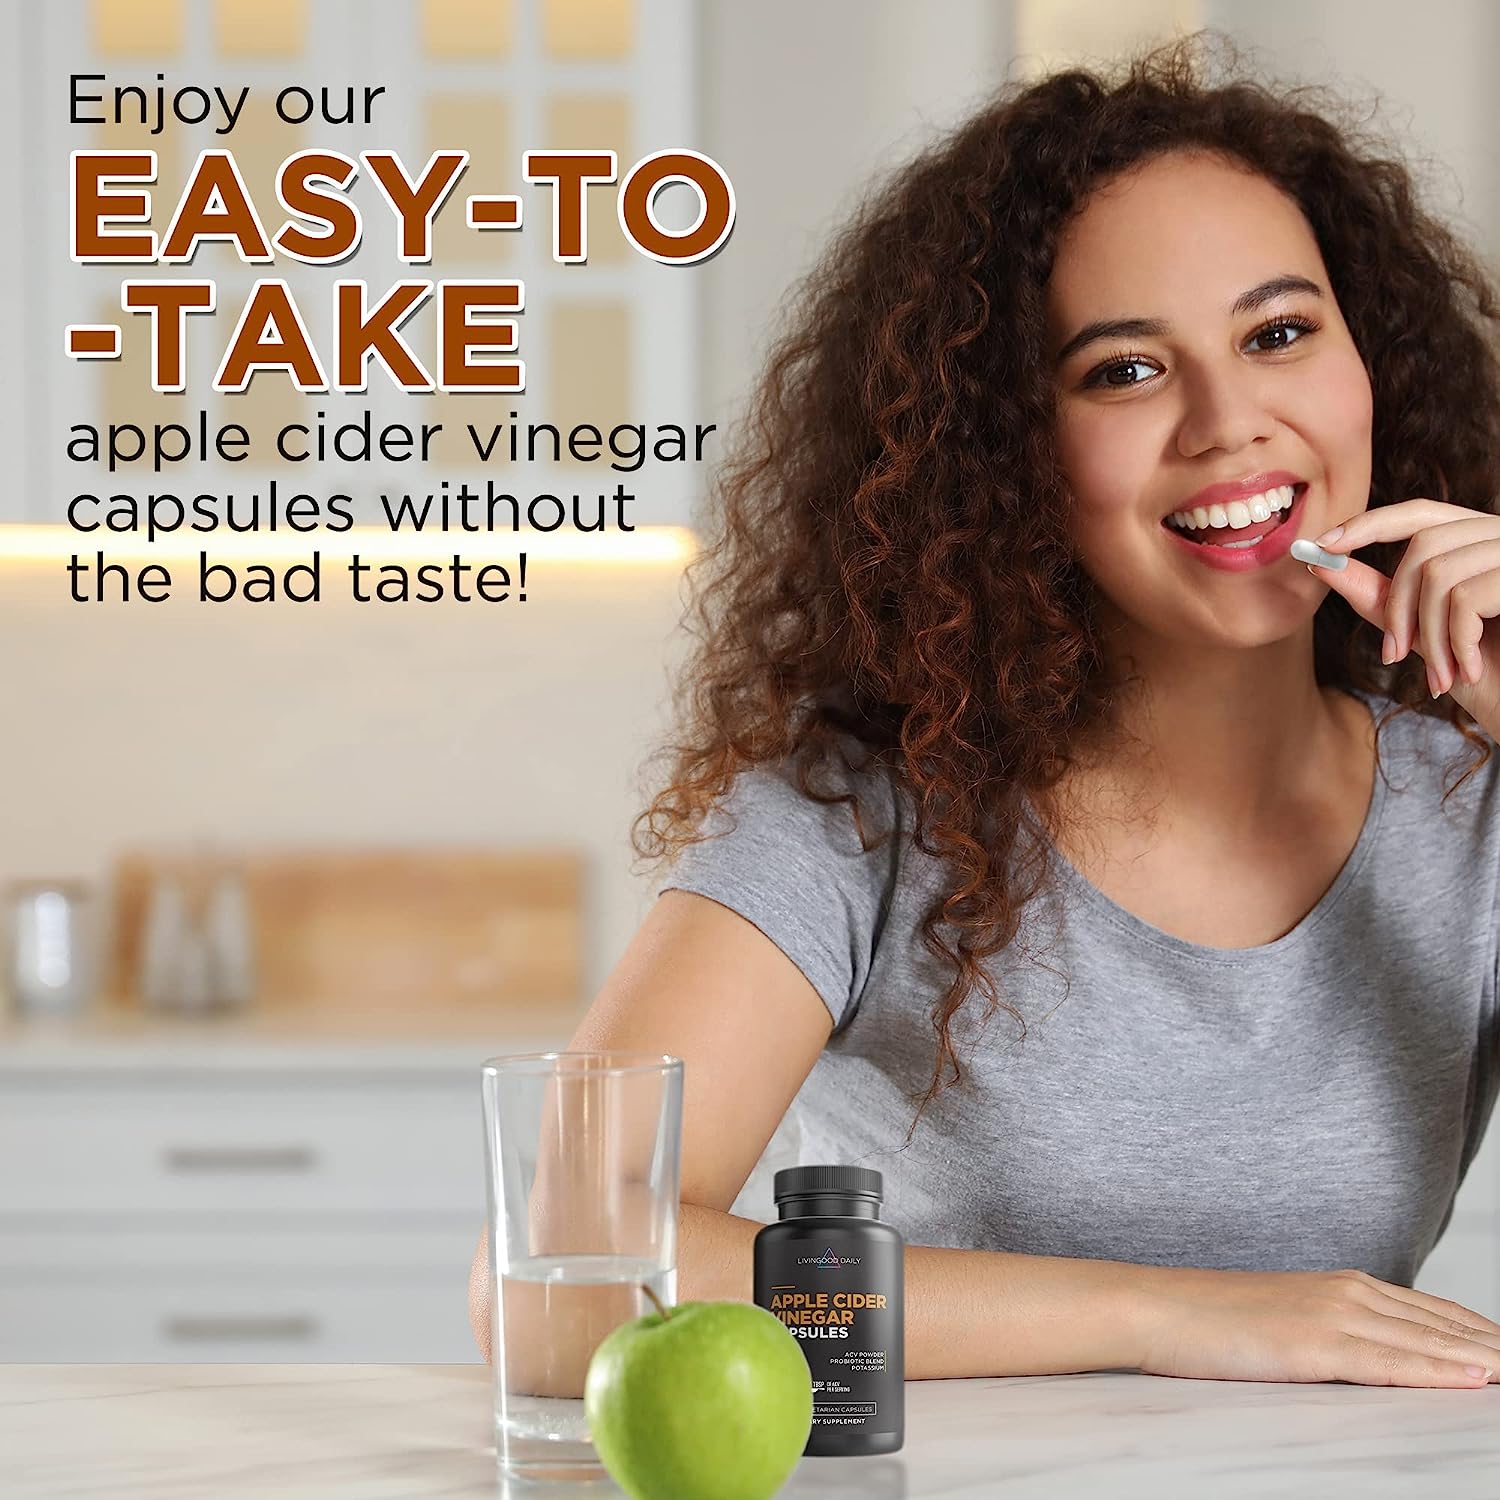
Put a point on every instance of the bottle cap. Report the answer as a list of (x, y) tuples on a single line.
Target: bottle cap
[(827, 1182)]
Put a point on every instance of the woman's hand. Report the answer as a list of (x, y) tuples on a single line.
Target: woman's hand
[(1445, 587), (1310, 1326)]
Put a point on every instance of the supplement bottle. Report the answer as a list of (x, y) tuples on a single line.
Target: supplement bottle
[(832, 1272)]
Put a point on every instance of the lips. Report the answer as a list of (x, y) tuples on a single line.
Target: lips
[(1270, 540), (1212, 535), (1242, 489)]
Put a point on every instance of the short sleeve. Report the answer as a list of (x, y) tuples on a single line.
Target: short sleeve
[(796, 869)]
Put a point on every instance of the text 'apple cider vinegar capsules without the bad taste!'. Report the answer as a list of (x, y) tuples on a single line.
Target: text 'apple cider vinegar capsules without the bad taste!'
[(832, 1272)]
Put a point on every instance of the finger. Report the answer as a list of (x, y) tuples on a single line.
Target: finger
[(1466, 617), (1391, 523), (1406, 579), (1462, 579), (1439, 1343), (1363, 586), (1439, 1306), (1407, 1302), (1394, 1311), (1378, 1363)]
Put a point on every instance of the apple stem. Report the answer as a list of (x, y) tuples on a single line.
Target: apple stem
[(664, 1311)]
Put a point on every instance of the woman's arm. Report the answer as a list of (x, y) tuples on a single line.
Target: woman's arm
[(968, 1312), (701, 983), (704, 984)]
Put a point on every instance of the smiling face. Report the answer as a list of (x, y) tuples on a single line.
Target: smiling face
[(1209, 392)]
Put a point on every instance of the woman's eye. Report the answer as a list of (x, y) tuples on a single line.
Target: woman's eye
[(1116, 373), (1102, 376), (1296, 329)]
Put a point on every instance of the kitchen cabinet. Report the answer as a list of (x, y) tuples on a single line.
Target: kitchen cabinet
[(106, 1294), (278, 1147), (222, 1201)]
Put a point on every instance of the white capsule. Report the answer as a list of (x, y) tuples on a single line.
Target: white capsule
[(1310, 552)]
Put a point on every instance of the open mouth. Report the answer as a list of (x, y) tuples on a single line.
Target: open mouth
[(1258, 517)]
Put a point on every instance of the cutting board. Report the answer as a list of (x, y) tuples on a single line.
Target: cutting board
[(388, 932)]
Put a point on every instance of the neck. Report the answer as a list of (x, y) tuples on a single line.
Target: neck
[(1232, 738)]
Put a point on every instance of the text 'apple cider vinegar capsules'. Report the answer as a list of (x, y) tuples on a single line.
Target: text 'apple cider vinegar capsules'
[(832, 1272)]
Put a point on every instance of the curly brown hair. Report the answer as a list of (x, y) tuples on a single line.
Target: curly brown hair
[(892, 569)]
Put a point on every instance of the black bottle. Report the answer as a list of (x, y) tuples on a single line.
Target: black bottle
[(832, 1272)]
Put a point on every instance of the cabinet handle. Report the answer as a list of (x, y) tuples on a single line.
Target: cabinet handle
[(239, 1158), (188, 1329)]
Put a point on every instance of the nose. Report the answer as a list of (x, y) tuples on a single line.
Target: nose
[(1223, 407)]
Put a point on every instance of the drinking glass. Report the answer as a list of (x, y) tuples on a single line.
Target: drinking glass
[(583, 1159)]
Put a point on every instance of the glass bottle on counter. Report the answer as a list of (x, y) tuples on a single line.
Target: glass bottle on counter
[(197, 947)]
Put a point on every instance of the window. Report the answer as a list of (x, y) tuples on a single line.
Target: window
[(610, 341)]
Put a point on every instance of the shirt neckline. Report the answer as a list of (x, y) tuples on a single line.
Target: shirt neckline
[(1144, 931)]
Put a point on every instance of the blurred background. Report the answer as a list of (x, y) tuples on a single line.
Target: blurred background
[(279, 876)]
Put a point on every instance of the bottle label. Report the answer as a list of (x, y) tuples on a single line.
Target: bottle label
[(840, 1298)]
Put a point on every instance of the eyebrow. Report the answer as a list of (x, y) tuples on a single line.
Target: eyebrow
[(1126, 328)]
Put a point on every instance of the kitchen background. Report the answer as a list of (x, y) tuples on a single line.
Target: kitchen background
[(402, 832)]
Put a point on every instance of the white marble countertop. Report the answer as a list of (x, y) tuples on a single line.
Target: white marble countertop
[(180, 1432)]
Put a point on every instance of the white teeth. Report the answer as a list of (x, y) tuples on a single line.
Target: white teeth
[(1238, 512)]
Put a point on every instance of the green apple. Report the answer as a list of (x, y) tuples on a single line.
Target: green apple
[(704, 1401)]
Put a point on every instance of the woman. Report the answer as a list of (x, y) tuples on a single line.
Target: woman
[(1005, 714)]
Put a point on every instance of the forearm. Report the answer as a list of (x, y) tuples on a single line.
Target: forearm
[(968, 1312)]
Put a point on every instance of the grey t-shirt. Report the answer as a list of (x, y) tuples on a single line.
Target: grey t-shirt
[(1311, 1103)]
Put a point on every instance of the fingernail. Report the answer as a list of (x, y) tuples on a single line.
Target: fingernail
[(1311, 569), (1329, 536), (1477, 1371), (1431, 683), (1388, 648)]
